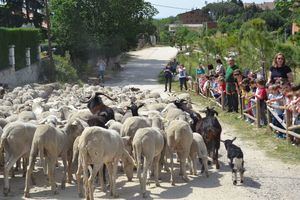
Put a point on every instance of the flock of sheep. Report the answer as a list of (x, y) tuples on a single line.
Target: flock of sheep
[(98, 129)]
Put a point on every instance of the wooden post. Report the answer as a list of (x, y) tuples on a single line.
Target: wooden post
[(196, 86), (258, 113), (223, 100), (269, 118), (289, 119), (242, 101)]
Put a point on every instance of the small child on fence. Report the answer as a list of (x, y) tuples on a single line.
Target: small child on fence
[(253, 88), (261, 97), (221, 88), (247, 95), (275, 98), (206, 85)]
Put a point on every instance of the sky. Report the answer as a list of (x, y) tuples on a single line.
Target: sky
[(168, 8)]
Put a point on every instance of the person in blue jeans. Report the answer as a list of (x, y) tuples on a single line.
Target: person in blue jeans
[(168, 77), (182, 77)]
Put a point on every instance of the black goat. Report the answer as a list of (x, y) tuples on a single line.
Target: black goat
[(210, 129), (96, 105), (236, 159), (196, 117), (134, 108)]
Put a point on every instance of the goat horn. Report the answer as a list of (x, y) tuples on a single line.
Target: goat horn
[(87, 99), (100, 93)]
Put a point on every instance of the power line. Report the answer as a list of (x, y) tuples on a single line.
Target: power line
[(178, 8)]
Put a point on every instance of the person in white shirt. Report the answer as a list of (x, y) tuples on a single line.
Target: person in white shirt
[(182, 77), (101, 69)]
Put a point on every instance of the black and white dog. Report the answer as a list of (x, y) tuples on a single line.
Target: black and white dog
[(236, 159)]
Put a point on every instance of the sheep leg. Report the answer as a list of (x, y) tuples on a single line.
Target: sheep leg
[(28, 175), (103, 186), (194, 166), (112, 171), (85, 179), (205, 166), (51, 173), (63, 182), (18, 165), (78, 180), (156, 169), (7, 167), (24, 166), (147, 164), (183, 157), (69, 160), (90, 182), (172, 170)]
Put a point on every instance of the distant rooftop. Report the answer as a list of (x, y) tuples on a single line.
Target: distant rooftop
[(263, 6)]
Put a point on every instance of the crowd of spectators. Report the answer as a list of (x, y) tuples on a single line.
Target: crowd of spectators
[(249, 88)]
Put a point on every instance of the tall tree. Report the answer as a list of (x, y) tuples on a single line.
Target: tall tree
[(108, 27), (11, 13), (15, 13)]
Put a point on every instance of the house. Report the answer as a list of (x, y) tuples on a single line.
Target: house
[(263, 6), (196, 16), (194, 20)]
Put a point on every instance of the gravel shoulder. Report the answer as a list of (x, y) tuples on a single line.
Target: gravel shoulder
[(265, 177)]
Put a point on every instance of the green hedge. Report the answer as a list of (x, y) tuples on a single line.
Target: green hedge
[(22, 38)]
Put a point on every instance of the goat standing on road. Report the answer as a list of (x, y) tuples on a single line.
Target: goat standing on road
[(236, 159)]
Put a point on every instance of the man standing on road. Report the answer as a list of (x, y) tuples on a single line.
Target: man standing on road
[(101, 69), (168, 77), (231, 90)]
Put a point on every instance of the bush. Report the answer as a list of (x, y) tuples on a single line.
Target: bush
[(22, 38), (64, 71)]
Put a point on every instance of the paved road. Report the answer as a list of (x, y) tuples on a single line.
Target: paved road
[(143, 68)]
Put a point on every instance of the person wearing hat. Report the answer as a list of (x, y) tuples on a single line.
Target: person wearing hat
[(231, 90)]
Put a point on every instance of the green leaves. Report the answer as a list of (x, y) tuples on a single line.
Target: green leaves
[(106, 27)]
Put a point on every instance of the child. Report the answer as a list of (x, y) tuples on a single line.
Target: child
[(247, 95), (253, 90), (206, 86), (276, 99), (261, 97)]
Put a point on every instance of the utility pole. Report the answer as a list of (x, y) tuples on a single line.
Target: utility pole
[(48, 22)]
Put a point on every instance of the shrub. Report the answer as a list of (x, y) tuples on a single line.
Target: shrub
[(64, 71), (22, 38)]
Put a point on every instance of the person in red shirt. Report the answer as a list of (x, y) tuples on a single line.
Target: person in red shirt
[(261, 97)]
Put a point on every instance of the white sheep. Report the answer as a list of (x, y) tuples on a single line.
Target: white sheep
[(149, 143)]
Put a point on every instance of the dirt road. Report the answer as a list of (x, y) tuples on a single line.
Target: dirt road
[(265, 177)]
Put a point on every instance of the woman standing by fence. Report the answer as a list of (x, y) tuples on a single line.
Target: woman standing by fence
[(279, 70)]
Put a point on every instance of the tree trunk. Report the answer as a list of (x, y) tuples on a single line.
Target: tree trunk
[(52, 66)]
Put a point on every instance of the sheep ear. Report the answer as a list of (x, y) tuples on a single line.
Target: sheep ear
[(75, 122), (216, 113), (43, 121)]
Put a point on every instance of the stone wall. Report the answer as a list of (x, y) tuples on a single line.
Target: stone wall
[(23, 76)]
